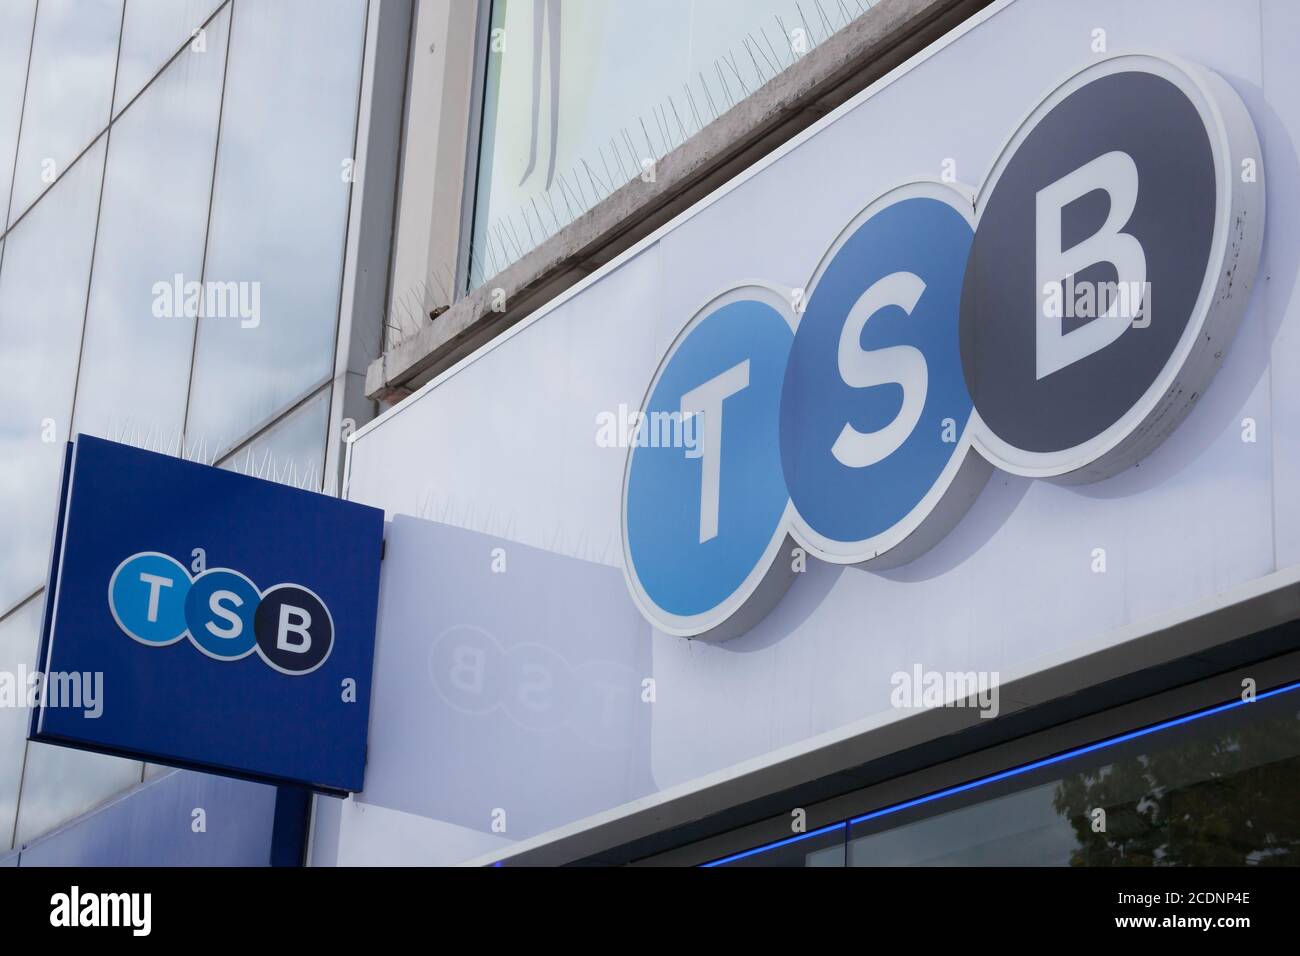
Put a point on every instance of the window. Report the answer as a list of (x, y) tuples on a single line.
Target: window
[(145, 146), (581, 98), (1212, 788)]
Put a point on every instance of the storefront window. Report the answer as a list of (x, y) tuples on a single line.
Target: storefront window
[(1213, 789)]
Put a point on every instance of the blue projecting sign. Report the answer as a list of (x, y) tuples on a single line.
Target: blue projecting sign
[(228, 623)]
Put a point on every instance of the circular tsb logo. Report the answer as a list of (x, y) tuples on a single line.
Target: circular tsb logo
[(1058, 323), (874, 383), (155, 600), (1091, 264)]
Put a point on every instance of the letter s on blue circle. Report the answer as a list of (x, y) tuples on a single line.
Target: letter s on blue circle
[(220, 610), (704, 500), (875, 407)]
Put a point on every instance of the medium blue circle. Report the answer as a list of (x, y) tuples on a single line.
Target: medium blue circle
[(227, 633), (926, 238), (147, 596), (679, 573)]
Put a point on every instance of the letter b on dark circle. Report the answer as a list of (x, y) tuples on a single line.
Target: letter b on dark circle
[(294, 629), (1130, 123)]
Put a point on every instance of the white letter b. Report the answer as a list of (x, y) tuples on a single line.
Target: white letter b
[(302, 640), (1116, 174)]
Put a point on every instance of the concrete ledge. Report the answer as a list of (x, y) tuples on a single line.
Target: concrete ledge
[(827, 76)]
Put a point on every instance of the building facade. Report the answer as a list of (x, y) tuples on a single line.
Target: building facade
[(179, 190), (1057, 628)]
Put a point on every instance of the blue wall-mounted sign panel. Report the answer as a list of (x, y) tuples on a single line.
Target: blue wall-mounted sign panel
[(205, 619)]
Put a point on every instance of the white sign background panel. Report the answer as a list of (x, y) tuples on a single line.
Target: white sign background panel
[(506, 445)]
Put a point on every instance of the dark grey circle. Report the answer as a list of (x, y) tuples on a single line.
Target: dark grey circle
[(304, 652), (1153, 121)]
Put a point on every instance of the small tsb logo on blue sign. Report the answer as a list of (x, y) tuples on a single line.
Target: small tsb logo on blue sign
[(156, 601), (127, 580)]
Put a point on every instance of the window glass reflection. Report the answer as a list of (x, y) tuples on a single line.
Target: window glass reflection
[(1020, 829), (43, 285), (581, 93), (152, 31), (292, 452), (279, 212), (1217, 791), (60, 783), (16, 18), (19, 635), (69, 91), (135, 364)]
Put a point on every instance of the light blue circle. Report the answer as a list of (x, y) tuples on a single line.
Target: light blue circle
[(207, 625), (930, 240), (147, 597), (676, 571)]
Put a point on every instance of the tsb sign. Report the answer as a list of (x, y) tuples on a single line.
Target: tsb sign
[(1059, 322), (290, 618), (155, 601)]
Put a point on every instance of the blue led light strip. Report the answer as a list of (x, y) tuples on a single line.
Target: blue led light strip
[(1013, 772), (842, 825)]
